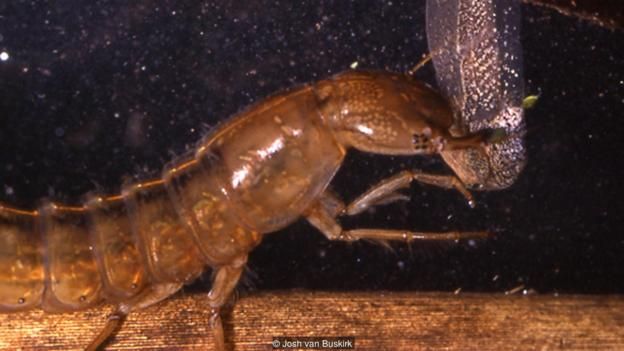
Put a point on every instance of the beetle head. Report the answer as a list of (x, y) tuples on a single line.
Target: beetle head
[(501, 158)]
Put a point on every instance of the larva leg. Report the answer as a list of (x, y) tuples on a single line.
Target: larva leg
[(113, 323), (324, 221), (149, 296), (331, 203), (224, 282), (386, 190)]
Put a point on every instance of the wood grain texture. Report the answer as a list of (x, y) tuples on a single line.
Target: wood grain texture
[(377, 320)]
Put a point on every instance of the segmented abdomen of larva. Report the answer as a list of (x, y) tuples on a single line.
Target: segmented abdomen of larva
[(72, 279), (21, 260), (66, 258), (115, 247), (169, 251), (110, 248)]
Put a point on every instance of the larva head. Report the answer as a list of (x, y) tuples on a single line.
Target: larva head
[(383, 113)]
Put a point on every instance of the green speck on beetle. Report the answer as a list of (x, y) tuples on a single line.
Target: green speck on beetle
[(529, 101)]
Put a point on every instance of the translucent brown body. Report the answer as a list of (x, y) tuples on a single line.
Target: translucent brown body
[(257, 173)]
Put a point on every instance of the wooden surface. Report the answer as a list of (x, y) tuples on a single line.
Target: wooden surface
[(377, 320)]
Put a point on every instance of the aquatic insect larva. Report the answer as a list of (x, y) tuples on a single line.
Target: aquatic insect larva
[(256, 174), (262, 170)]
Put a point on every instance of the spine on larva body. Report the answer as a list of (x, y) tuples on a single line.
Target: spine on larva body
[(475, 45)]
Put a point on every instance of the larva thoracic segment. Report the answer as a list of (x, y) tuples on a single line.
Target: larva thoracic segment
[(204, 206), (259, 172)]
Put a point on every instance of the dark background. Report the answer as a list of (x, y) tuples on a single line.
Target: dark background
[(92, 95)]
